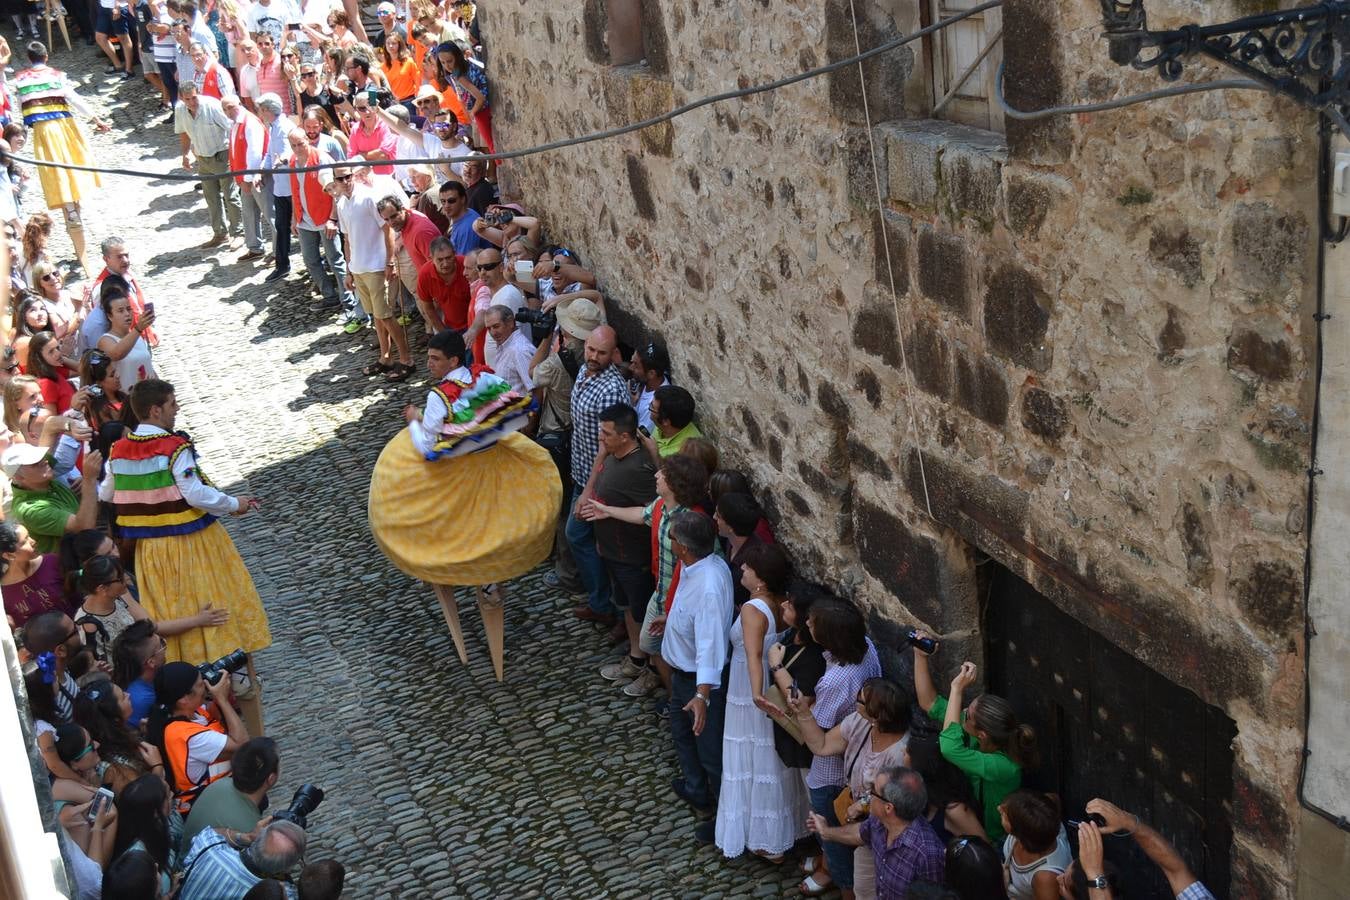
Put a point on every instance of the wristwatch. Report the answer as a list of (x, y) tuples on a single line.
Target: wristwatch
[(698, 696), (1100, 883), (777, 668)]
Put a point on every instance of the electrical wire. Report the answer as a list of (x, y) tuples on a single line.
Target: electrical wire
[(878, 50), (890, 271), (1227, 84)]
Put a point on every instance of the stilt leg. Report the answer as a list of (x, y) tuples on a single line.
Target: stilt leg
[(250, 703), (446, 595), (491, 605)]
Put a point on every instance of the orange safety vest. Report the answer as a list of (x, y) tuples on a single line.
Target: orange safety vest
[(177, 734), (318, 200)]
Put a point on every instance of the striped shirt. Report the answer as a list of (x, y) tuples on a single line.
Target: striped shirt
[(215, 870), (665, 557)]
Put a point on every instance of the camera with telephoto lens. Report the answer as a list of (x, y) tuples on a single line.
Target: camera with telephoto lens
[(927, 645), (306, 798), (542, 324), (214, 671)]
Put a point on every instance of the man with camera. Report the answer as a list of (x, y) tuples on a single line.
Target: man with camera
[(236, 802), (553, 374), (196, 741), (455, 206), (222, 864)]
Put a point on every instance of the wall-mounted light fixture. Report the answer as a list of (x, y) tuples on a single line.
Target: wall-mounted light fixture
[(1301, 53)]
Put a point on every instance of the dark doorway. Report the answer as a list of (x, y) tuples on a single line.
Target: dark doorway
[(1113, 728)]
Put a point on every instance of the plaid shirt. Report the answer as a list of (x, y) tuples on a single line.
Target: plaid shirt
[(836, 696), (916, 855), (665, 557), (592, 395), (1196, 891)]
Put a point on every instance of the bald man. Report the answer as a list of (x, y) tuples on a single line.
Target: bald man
[(599, 385)]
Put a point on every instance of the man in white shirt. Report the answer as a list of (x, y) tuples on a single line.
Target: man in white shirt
[(203, 131), (370, 255), (514, 350), (696, 643), (271, 17), (504, 293), (247, 136)]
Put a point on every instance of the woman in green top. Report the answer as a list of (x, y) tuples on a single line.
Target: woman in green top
[(984, 740)]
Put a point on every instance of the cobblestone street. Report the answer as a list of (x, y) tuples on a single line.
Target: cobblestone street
[(439, 781)]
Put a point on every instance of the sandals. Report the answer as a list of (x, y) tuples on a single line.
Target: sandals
[(810, 864), (400, 371), (377, 368), (812, 888), (773, 859)]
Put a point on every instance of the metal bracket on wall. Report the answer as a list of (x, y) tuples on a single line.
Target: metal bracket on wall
[(1299, 53)]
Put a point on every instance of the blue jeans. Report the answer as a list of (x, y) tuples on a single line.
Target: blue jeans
[(700, 756), (839, 857), (329, 283), (581, 538)]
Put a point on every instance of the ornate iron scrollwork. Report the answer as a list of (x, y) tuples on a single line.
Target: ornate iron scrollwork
[(1301, 53)]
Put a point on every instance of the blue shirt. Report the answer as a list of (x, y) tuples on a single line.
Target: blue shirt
[(463, 236), (217, 871), (142, 698)]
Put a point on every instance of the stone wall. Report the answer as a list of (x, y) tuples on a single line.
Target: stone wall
[(1094, 367)]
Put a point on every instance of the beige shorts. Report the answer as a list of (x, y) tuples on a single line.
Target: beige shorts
[(370, 290), (648, 642), (407, 273)]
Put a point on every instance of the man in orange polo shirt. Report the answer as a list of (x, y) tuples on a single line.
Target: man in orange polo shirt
[(314, 222), (441, 284)]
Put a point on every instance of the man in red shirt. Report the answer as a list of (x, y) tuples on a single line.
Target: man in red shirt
[(441, 285), (413, 234)]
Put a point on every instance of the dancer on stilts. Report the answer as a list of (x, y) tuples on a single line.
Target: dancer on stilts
[(46, 99), (457, 498)]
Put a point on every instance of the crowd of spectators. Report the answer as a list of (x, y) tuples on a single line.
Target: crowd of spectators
[(788, 735)]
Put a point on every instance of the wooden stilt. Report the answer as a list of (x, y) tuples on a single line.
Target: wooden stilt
[(446, 595), (493, 610)]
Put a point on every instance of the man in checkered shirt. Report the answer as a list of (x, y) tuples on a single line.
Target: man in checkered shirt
[(599, 385)]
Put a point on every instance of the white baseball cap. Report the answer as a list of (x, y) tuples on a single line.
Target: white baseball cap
[(16, 456)]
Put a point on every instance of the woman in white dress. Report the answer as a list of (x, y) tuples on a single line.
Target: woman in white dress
[(762, 806)]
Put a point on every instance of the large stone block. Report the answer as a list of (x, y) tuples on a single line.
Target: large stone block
[(1270, 595), (896, 238), (916, 569), (874, 331), (885, 74), (972, 174), (650, 97), (963, 500), (981, 388), (943, 276), (1270, 247), (1034, 79), (1264, 355), (1044, 414), (912, 155), (1017, 315), (930, 359)]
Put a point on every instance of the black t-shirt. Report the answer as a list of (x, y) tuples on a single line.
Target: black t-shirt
[(482, 195), (623, 482), (322, 99)]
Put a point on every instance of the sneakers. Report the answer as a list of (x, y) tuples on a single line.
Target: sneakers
[(353, 326), (623, 670), (404, 319), (646, 682)]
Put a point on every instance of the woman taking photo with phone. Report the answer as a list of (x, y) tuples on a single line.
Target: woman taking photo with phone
[(124, 342)]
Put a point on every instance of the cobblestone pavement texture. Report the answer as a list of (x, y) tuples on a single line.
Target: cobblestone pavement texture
[(439, 781)]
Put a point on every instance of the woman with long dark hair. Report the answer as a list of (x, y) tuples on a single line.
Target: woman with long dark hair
[(30, 581), (146, 821), (65, 312), (952, 809), (984, 740), (872, 737), (471, 84), (80, 753), (48, 366), (31, 318), (125, 340), (103, 709), (108, 607), (973, 869)]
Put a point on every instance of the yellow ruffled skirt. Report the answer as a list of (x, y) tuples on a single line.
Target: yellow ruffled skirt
[(476, 519), (178, 575), (60, 140)]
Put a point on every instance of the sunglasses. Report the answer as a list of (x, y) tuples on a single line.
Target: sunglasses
[(51, 276), (488, 267), (308, 74), (342, 178), (98, 359), (288, 56), (83, 753)]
